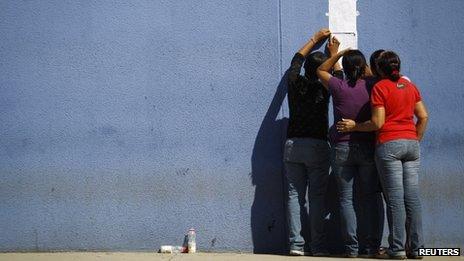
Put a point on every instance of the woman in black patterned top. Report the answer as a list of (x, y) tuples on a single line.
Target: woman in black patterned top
[(306, 154)]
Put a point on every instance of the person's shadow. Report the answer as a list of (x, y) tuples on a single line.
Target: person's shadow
[(268, 212), (268, 221)]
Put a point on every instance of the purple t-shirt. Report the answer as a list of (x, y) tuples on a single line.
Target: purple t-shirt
[(350, 102)]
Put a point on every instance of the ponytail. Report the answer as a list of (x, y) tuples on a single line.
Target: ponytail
[(355, 74), (354, 65), (358, 72), (395, 73), (389, 64)]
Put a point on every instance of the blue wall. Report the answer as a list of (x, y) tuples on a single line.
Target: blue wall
[(125, 124)]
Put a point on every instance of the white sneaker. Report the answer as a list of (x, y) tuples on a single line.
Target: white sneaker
[(296, 253)]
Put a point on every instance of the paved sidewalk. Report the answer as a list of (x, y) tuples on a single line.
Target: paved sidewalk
[(144, 256)]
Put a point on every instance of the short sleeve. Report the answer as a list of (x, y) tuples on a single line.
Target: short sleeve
[(417, 96), (334, 85), (378, 96)]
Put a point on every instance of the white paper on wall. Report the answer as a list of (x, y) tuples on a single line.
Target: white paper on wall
[(342, 22)]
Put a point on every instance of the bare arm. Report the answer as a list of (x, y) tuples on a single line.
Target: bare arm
[(376, 122), (316, 38), (332, 48), (422, 118), (323, 72)]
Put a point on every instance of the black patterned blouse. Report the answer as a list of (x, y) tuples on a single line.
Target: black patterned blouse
[(308, 102)]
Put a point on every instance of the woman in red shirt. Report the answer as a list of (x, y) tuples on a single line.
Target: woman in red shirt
[(395, 101)]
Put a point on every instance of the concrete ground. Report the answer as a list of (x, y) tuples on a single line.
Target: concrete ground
[(139, 256)]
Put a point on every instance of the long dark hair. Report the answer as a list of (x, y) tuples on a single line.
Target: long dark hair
[(313, 61), (373, 61), (389, 64), (354, 65)]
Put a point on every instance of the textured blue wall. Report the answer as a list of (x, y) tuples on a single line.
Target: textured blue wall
[(125, 124)]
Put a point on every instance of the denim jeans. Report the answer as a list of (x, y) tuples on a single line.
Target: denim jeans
[(398, 163), (307, 163), (353, 165)]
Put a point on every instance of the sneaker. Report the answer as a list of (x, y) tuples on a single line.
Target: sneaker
[(365, 254), (351, 255), (296, 253)]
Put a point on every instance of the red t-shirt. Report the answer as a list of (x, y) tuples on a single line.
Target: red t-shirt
[(398, 99)]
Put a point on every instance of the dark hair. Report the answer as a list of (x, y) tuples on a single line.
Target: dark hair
[(313, 61), (354, 65), (389, 64), (373, 61)]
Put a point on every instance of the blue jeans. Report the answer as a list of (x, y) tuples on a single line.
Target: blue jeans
[(306, 161), (353, 165), (398, 163)]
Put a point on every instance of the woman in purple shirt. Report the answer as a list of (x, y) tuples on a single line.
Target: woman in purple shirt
[(353, 154)]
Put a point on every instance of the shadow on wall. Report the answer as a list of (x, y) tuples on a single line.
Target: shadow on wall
[(268, 222), (268, 212)]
